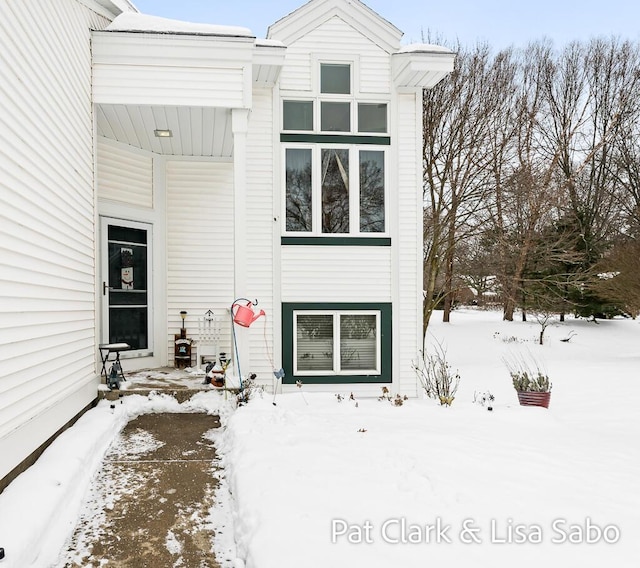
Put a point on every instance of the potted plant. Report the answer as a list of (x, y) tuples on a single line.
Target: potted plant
[(531, 383)]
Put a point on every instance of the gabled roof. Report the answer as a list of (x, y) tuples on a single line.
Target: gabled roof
[(309, 16)]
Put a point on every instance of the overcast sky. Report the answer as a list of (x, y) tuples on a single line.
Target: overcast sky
[(499, 22)]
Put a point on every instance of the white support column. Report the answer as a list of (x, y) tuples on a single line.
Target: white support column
[(239, 124)]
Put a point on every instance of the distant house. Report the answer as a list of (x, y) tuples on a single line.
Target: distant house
[(149, 167)]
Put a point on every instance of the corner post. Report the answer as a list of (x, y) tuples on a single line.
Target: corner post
[(239, 125)]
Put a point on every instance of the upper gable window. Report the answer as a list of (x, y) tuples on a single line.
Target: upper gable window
[(335, 78)]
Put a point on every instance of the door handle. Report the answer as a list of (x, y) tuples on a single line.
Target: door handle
[(105, 288)]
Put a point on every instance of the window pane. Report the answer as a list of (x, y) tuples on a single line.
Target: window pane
[(127, 235), (335, 78), (335, 191), (129, 326), (372, 117), (298, 115), (358, 342), (298, 189), (335, 117), (371, 191), (128, 268), (314, 341)]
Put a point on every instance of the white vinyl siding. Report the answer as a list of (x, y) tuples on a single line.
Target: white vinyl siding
[(124, 174), (408, 315), (296, 74), (150, 69), (47, 243), (317, 272), (336, 274), (169, 86), (199, 244), (337, 38)]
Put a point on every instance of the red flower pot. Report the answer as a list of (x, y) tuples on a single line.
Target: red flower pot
[(534, 399)]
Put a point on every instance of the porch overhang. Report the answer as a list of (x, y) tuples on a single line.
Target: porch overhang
[(186, 78), (421, 65), (268, 59)]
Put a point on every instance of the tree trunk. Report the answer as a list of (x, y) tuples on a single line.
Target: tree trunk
[(508, 308), (431, 265), (448, 288), (448, 277)]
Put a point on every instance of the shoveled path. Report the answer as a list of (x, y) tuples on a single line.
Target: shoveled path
[(150, 502)]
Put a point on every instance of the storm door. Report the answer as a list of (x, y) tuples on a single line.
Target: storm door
[(126, 283)]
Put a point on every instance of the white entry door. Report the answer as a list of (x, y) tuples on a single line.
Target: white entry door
[(126, 284)]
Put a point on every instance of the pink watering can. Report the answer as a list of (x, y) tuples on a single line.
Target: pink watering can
[(244, 315)]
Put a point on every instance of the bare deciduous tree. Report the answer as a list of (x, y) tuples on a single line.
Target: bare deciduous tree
[(536, 150), (458, 116)]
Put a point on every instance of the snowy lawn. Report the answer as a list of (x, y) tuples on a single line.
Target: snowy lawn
[(322, 483)]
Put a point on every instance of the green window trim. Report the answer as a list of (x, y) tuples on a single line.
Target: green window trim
[(385, 310), (336, 139), (337, 241)]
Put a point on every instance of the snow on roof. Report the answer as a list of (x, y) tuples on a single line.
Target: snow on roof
[(132, 22), (269, 43), (424, 48)]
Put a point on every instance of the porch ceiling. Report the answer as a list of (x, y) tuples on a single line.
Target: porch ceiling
[(196, 131)]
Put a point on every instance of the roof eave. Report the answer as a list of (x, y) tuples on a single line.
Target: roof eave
[(423, 69)]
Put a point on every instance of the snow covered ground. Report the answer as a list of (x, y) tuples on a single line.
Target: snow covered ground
[(318, 482)]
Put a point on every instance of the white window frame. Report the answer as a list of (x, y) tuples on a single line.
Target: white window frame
[(354, 189), (337, 371), (316, 102)]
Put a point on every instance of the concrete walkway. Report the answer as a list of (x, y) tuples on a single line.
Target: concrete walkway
[(150, 502)]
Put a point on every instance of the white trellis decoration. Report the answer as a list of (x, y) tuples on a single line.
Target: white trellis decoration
[(208, 338)]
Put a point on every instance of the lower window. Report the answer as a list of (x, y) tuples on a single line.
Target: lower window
[(332, 343)]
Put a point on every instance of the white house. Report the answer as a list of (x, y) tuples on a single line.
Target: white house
[(149, 167)]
